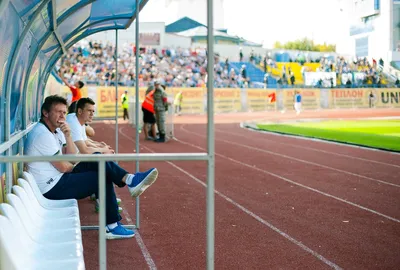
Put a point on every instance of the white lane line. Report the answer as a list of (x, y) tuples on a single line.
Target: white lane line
[(142, 246), (245, 210), (259, 219), (310, 148), (297, 159), (297, 184)]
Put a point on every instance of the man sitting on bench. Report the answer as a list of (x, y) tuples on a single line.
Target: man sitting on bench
[(65, 180), (84, 113), (79, 114), (89, 130)]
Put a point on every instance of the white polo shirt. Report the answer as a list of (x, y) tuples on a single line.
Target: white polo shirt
[(78, 131), (42, 142)]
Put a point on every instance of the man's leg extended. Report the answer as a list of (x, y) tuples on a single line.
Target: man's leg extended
[(113, 171), (137, 183), (80, 185)]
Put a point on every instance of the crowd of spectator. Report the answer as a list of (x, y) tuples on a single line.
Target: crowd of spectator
[(93, 63), (367, 72), (357, 72)]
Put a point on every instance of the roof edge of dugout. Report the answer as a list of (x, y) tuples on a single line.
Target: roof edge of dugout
[(63, 44)]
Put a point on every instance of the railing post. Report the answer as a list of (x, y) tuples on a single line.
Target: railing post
[(102, 216), (137, 106), (210, 137), (116, 90)]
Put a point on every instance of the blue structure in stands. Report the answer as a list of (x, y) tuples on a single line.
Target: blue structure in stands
[(254, 73)]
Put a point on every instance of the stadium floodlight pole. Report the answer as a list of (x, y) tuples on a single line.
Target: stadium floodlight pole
[(137, 105), (116, 90), (210, 137)]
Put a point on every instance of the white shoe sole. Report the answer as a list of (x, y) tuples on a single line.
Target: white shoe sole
[(145, 184), (111, 236)]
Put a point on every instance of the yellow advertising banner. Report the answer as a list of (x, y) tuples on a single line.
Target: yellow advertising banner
[(106, 100), (311, 98), (387, 98), (192, 99), (259, 100), (349, 98), (105, 104), (227, 100), (230, 100), (104, 96)]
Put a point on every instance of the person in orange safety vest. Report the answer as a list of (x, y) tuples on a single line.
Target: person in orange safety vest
[(148, 116)]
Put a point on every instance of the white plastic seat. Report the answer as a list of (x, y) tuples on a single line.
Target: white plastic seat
[(48, 216), (71, 250), (59, 213), (43, 200), (16, 256), (39, 236), (27, 187), (60, 226)]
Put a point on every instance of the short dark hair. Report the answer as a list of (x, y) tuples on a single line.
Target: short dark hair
[(72, 107), (80, 84), (50, 101), (82, 103)]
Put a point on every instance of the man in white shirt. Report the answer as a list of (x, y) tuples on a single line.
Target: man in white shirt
[(89, 130), (84, 114), (46, 174), (65, 180)]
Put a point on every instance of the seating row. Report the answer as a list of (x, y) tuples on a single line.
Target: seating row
[(38, 233)]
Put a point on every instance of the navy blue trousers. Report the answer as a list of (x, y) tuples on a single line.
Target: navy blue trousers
[(83, 181)]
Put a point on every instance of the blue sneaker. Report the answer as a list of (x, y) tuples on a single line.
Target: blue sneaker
[(119, 232), (146, 179)]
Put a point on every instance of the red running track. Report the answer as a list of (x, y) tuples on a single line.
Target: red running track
[(280, 203)]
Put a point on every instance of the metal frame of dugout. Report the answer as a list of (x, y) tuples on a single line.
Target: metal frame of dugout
[(209, 156)]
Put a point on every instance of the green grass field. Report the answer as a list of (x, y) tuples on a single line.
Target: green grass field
[(382, 134)]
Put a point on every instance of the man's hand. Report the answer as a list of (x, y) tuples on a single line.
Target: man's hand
[(103, 144), (109, 151), (65, 129)]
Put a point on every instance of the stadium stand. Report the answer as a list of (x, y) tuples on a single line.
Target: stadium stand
[(92, 63), (254, 73), (294, 67)]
